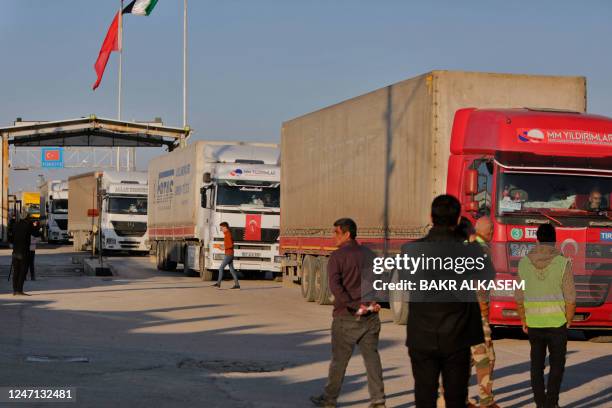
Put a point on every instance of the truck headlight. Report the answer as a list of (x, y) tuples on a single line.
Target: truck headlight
[(111, 241), (218, 257), (278, 259)]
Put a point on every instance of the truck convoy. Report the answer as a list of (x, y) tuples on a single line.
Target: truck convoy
[(518, 148), (108, 207), (54, 210), (194, 189)]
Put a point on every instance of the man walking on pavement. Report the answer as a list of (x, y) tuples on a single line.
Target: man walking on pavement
[(546, 307), (22, 230), (228, 260), (354, 321), (440, 331)]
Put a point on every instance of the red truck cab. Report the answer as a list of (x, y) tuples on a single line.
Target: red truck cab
[(525, 167)]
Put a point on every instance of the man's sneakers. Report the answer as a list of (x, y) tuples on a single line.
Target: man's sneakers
[(235, 287), (216, 285), (320, 401)]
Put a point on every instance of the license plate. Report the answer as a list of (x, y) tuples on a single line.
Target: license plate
[(251, 254)]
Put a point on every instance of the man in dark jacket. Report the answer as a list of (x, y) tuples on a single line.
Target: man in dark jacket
[(440, 331), (355, 321), (22, 231)]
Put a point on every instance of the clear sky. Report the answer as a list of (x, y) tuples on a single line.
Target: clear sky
[(256, 63)]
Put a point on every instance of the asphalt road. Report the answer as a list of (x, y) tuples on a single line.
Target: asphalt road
[(166, 340)]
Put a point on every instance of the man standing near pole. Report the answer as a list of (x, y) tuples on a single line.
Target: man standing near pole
[(21, 252)]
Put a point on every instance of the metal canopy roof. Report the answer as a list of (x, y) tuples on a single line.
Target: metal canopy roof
[(93, 131)]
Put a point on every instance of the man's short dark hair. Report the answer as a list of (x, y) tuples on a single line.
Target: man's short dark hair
[(347, 225), (546, 233), (224, 224), (445, 211)]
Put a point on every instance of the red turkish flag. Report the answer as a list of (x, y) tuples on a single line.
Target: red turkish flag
[(52, 155), (572, 244), (110, 44), (252, 227)]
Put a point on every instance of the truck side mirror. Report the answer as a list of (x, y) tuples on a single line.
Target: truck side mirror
[(203, 197), (471, 181)]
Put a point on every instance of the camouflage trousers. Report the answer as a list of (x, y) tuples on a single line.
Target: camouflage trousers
[(483, 359)]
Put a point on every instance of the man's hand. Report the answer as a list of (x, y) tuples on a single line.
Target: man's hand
[(525, 328)]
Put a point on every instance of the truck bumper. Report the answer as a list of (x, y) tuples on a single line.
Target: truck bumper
[(126, 244), (251, 266), (503, 313)]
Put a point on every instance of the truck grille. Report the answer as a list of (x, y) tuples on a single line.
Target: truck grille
[(129, 228), (129, 244), (267, 234), (62, 224)]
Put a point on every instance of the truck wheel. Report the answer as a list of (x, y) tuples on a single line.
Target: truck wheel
[(325, 296), (398, 302), (308, 278), (167, 263), (170, 265)]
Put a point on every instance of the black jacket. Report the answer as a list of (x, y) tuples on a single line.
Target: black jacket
[(443, 326), (22, 231)]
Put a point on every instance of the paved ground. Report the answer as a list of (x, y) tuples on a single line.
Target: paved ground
[(165, 340)]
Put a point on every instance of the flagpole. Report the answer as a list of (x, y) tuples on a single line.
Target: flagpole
[(184, 63), (120, 70)]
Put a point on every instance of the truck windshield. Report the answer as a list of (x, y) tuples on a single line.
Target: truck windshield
[(268, 197), (127, 205), (59, 206), (564, 194)]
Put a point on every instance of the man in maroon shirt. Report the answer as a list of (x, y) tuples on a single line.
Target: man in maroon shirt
[(352, 324)]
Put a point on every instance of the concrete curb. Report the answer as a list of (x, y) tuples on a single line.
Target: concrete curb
[(92, 267)]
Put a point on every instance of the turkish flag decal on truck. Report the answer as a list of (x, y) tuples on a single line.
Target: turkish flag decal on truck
[(252, 227)]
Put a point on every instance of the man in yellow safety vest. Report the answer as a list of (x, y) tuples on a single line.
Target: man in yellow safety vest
[(546, 307)]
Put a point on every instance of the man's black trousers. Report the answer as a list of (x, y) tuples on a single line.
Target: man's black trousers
[(426, 369), (20, 268), (555, 339)]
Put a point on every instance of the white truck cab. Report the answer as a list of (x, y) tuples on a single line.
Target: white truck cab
[(247, 197), (109, 208), (194, 189), (54, 210)]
